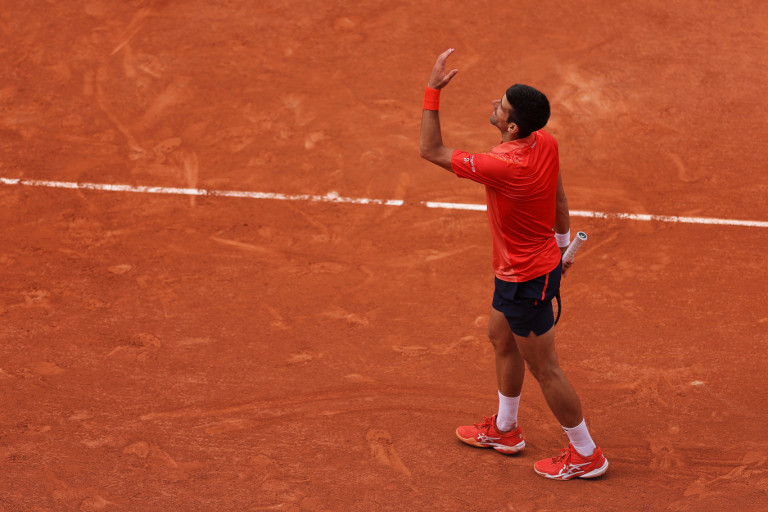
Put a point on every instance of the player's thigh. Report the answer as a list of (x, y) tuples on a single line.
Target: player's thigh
[(538, 351), (499, 331)]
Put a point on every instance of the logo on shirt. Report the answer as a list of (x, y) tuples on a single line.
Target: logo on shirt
[(471, 161)]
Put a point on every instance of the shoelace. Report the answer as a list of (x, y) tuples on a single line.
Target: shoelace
[(565, 454), (486, 424)]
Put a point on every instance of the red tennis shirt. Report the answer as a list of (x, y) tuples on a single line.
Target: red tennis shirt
[(520, 179)]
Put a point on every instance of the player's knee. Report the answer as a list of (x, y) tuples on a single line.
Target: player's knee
[(544, 372), (502, 344)]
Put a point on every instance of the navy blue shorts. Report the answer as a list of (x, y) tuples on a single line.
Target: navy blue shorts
[(528, 305)]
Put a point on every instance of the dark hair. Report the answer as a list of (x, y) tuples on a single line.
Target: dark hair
[(530, 108)]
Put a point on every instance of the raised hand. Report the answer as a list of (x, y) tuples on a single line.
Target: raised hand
[(440, 78)]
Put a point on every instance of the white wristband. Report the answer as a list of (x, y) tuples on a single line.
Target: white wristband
[(563, 239)]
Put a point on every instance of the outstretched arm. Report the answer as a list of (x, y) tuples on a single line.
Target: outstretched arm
[(431, 141)]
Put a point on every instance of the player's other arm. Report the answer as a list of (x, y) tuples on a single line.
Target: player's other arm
[(431, 139), (562, 216)]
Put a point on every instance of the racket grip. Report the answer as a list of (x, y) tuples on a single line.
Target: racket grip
[(581, 237)]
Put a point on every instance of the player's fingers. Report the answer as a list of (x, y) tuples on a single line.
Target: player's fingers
[(443, 57), (447, 78)]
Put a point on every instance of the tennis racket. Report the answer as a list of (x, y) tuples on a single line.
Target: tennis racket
[(568, 255)]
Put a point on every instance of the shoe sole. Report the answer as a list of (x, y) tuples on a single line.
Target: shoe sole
[(592, 474), (596, 472), (503, 449)]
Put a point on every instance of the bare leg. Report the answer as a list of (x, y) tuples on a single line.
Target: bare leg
[(539, 353), (510, 367)]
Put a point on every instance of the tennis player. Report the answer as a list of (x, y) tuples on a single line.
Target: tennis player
[(530, 228)]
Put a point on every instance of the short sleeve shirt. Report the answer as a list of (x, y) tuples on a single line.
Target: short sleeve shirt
[(520, 179)]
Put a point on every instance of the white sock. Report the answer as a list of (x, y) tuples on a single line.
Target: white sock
[(507, 415), (580, 439)]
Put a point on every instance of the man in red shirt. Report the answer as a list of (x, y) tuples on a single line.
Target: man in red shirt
[(530, 228)]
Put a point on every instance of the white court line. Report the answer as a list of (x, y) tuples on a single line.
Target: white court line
[(334, 197)]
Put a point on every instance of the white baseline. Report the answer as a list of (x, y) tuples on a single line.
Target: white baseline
[(334, 197)]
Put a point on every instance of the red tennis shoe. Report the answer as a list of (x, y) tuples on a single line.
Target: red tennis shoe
[(485, 435), (570, 464)]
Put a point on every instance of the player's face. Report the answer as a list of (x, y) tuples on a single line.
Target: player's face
[(500, 114), (496, 111)]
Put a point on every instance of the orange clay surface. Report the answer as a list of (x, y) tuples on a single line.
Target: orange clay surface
[(164, 353)]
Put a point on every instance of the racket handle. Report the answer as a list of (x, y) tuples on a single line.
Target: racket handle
[(581, 237)]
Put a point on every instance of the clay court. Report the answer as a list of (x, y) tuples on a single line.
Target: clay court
[(307, 346)]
